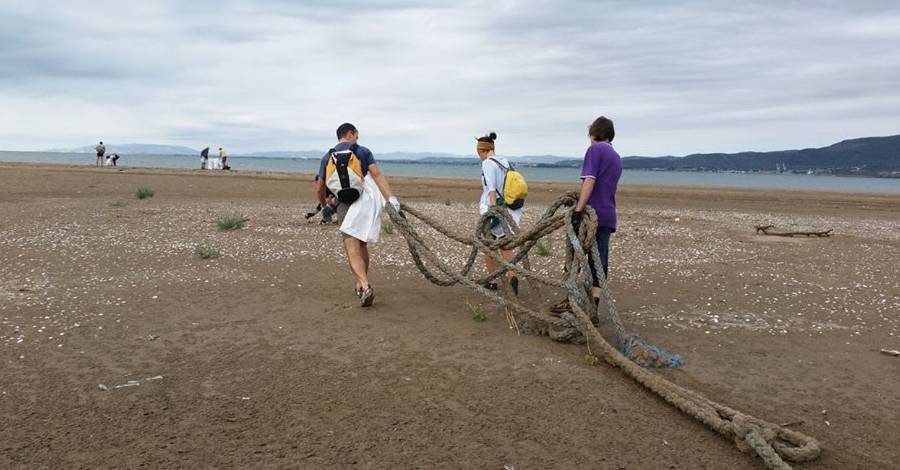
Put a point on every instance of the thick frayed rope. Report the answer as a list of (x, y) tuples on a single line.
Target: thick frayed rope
[(772, 443)]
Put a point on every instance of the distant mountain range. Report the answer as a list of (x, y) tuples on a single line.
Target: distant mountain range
[(869, 156), (135, 149)]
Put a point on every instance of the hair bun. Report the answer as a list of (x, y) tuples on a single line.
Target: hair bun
[(493, 136)]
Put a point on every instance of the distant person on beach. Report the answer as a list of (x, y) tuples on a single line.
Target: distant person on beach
[(101, 150), (204, 158), (222, 157), (112, 159), (600, 173), (493, 176), (350, 172)]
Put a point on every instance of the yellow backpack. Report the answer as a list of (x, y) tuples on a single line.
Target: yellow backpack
[(344, 175), (515, 189)]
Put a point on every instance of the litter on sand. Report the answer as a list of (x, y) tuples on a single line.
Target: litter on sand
[(130, 383)]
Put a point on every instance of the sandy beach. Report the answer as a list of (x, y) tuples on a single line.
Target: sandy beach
[(121, 349)]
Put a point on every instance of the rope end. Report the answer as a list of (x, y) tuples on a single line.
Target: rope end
[(647, 355)]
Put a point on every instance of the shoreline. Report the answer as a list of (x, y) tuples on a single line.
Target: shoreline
[(450, 182), (463, 161)]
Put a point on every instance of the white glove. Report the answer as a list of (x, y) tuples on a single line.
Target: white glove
[(395, 203)]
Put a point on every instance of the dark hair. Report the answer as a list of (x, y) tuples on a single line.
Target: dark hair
[(101, 142), (602, 129), (345, 129), (488, 138)]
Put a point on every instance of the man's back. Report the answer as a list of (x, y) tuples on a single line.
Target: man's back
[(362, 153)]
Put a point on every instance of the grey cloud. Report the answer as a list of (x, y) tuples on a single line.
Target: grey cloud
[(430, 75)]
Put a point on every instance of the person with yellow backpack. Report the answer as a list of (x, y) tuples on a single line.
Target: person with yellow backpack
[(349, 172), (501, 186)]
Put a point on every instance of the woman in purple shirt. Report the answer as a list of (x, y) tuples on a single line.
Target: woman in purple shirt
[(600, 175)]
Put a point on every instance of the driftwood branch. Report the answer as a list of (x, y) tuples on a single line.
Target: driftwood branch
[(767, 230)]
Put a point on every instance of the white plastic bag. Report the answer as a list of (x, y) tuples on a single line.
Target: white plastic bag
[(363, 219)]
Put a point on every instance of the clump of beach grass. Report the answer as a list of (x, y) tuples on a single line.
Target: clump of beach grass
[(477, 313), (206, 252), (143, 192), (542, 247), (230, 222), (117, 204)]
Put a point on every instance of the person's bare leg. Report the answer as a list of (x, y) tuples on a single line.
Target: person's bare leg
[(491, 264), (508, 256), (365, 255), (511, 275), (364, 247), (356, 257)]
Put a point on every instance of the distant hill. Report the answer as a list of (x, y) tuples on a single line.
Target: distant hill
[(133, 149), (384, 156), (303, 154), (430, 157), (873, 156)]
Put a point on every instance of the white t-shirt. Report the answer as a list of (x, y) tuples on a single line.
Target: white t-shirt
[(492, 180)]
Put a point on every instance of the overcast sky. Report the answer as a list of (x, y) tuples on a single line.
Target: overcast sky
[(676, 77)]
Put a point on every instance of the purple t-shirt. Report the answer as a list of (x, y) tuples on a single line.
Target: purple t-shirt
[(602, 162)]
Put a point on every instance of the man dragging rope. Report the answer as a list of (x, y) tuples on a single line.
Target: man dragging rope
[(349, 171)]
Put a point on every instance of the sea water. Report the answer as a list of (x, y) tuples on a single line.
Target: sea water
[(473, 171)]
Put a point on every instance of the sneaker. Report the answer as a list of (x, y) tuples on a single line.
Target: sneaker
[(368, 297)]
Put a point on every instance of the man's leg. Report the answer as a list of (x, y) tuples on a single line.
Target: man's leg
[(364, 247), (357, 257)]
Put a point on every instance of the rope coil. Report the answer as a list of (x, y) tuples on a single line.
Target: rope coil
[(772, 443)]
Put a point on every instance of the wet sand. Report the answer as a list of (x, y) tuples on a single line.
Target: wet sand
[(262, 358)]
